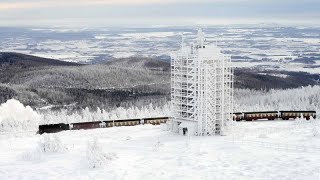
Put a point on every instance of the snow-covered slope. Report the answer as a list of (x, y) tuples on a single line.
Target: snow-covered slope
[(256, 150)]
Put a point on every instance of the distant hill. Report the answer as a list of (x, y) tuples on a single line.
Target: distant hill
[(256, 79), (13, 64), (120, 82), (140, 63), (23, 60), (117, 83)]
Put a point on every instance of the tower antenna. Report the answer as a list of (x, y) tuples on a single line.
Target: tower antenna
[(182, 40)]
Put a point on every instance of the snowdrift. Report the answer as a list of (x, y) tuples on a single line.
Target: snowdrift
[(15, 117)]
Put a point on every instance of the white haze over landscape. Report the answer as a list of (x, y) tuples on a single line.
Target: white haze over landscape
[(99, 13)]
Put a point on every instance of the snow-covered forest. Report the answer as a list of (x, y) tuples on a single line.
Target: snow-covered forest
[(126, 82), (304, 98), (86, 115)]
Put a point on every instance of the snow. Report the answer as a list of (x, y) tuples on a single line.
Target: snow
[(16, 117), (299, 99), (124, 54), (148, 34), (303, 98), (252, 151), (85, 45), (276, 75), (55, 117), (102, 36)]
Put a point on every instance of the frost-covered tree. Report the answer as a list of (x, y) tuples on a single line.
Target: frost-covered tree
[(51, 144), (304, 98), (47, 144), (14, 116), (85, 115), (96, 156)]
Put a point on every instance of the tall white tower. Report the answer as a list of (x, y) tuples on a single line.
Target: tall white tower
[(201, 89)]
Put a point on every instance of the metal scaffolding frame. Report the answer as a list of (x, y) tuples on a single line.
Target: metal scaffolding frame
[(201, 89)]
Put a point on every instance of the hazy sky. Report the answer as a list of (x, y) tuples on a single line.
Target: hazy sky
[(156, 12)]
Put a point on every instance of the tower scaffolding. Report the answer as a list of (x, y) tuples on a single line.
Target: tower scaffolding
[(201, 89)]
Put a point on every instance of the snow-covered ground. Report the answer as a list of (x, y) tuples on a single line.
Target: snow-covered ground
[(254, 150)]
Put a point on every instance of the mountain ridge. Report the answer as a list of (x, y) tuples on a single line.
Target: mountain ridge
[(13, 58)]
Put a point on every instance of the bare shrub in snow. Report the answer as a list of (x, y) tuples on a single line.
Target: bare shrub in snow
[(316, 131), (51, 144), (46, 144), (315, 127), (96, 156), (128, 138), (312, 124), (157, 145), (32, 155), (229, 127), (14, 116), (262, 136), (300, 121)]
